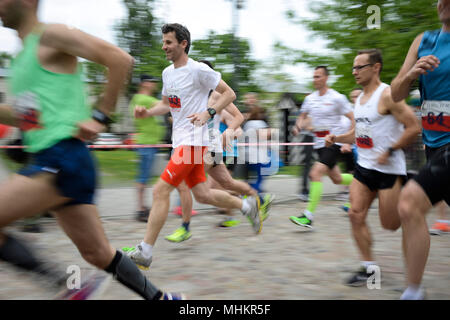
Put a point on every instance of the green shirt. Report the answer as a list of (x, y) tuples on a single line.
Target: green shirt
[(51, 103), (149, 130)]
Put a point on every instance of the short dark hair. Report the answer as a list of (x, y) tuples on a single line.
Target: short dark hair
[(375, 56), (325, 69), (181, 33), (148, 78), (209, 64)]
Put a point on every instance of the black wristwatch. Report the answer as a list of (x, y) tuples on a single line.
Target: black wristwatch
[(212, 112), (391, 151), (101, 117)]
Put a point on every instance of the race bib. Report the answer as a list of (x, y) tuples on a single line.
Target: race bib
[(436, 116), (364, 137), (321, 132), (28, 110), (174, 100)]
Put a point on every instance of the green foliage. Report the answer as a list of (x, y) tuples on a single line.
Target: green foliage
[(140, 35), (343, 23), (216, 48)]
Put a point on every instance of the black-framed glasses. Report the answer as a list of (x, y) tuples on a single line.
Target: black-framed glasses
[(357, 68)]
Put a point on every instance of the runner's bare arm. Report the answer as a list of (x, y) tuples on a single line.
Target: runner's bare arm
[(161, 108), (302, 122), (7, 116), (227, 96), (405, 115), (236, 116), (77, 43), (411, 70)]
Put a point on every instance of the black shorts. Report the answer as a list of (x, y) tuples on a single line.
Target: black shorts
[(217, 158), (329, 156), (434, 177), (375, 180), (230, 162), (71, 161), (349, 160)]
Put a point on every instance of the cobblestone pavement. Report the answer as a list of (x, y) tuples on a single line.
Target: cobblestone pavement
[(283, 262)]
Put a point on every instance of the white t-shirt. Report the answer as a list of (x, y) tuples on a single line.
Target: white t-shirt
[(326, 112), (260, 153), (187, 89)]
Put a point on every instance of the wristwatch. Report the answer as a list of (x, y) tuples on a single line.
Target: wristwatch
[(391, 151), (212, 112), (101, 117)]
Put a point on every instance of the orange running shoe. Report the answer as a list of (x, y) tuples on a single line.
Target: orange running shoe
[(440, 228)]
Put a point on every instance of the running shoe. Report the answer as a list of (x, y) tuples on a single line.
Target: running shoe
[(229, 223), (303, 197), (345, 207), (180, 235), (358, 279), (136, 255), (142, 216), (440, 228), (91, 288), (265, 207), (173, 296), (302, 221), (254, 214)]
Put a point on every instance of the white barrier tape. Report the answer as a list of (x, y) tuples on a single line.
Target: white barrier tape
[(138, 146)]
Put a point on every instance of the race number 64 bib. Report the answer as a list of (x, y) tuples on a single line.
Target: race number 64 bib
[(436, 115)]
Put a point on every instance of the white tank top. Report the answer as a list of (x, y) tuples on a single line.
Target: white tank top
[(215, 137), (375, 133)]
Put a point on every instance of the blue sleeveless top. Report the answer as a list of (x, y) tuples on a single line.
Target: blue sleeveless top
[(234, 152), (435, 89)]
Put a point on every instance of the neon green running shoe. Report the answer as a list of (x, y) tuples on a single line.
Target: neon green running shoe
[(265, 207), (302, 221), (229, 223), (180, 235)]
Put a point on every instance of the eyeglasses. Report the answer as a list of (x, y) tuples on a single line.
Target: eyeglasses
[(357, 68)]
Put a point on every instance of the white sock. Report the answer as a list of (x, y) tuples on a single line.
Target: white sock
[(413, 293), (245, 206), (146, 250), (309, 215), (367, 264)]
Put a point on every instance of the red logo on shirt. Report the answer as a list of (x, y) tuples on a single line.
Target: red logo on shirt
[(364, 142), (174, 102)]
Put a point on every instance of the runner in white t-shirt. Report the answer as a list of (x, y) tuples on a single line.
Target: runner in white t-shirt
[(325, 107), (215, 167), (186, 87)]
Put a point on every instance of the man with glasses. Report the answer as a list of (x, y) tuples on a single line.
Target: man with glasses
[(383, 128)]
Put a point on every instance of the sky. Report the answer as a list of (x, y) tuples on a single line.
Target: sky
[(261, 21)]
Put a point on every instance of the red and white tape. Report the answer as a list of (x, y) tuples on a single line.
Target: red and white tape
[(139, 146)]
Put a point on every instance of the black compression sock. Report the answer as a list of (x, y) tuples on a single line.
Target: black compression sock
[(127, 273)]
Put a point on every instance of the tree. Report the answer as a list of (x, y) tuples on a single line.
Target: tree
[(346, 25), (140, 36), (216, 49)]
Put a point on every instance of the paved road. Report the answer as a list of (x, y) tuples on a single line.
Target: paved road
[(284, 262)]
